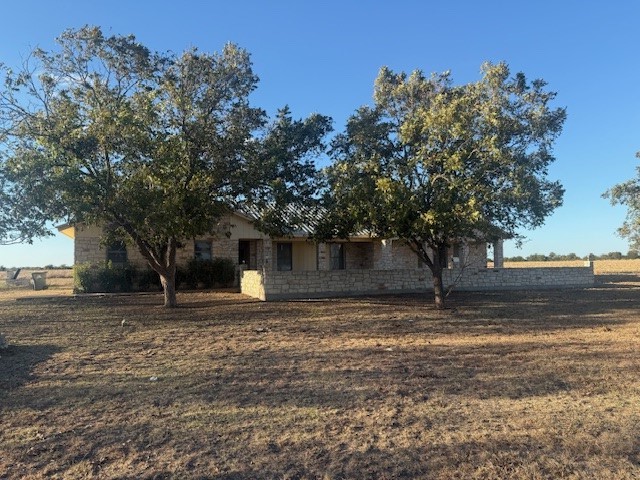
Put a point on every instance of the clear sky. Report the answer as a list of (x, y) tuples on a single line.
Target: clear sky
[(323, 56)]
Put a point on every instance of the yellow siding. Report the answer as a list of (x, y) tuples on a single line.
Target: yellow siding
[(235, 227), (304, 256)]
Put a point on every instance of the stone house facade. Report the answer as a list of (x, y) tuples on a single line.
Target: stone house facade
[(295, 267)]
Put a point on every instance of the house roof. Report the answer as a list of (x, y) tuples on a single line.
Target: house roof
[(305, 220)]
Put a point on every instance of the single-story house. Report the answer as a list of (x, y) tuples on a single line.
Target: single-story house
[(296, 267)]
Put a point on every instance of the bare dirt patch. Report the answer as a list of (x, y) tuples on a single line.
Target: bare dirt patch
[(540, 384)]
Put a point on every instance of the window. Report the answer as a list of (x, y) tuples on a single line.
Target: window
[(202, 250), (117, 252), (336, 254), (284, 257)]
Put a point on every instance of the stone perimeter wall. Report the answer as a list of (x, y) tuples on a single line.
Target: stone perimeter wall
[(276, 285)]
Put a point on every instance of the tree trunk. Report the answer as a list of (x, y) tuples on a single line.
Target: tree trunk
[(438, 289), (439, 264), (169, 287)]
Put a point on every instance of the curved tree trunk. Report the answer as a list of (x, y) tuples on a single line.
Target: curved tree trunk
[(435, 264), (169, 287)]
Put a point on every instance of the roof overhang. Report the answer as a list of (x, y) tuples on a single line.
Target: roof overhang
[(67, 229)]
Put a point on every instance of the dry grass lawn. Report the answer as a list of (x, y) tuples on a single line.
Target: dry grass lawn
[(531, 385)]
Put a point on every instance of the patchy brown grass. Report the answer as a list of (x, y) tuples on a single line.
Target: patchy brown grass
[(526, 385)]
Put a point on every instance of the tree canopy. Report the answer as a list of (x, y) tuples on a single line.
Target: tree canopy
[(628, 194), (155, 147), (431, 162), (18, 224)]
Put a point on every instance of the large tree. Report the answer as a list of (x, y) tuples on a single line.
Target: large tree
[(154, 147), (628, 194), (432, 162)]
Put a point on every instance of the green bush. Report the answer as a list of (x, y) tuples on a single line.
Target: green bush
[(93, 278), (209, 273), (224, 271), (85, 277), (148, 279), (181, 275), (98, 278)]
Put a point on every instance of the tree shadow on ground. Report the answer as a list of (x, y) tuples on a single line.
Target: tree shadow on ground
[(18, 361), (619, 280)]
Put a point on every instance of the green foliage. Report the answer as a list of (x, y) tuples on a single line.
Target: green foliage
[(225, 271), (210, 273), (147, 280), (92, 278), (153, 146), (628, 194), (433, 163), (20, 222)]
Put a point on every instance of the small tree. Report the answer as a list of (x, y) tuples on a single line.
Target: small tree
[(432, 163), (628, 194), (153, 146)]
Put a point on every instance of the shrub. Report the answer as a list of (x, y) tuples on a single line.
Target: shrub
[(209, 273), (181, 275), (92, 278), (148, 279), (224, 271), (85, 277)]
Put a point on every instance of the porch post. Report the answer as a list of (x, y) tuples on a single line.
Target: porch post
[(267, 254), (498, 253), (324, 257), (383, 255)]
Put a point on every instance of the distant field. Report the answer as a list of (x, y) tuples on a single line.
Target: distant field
[(59, 282), (599, 266)]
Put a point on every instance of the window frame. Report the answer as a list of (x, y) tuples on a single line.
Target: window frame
[(117, 253), (337, 256), (198, 251), (284, 263)]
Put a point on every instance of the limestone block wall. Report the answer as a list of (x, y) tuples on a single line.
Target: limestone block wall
[(87, 249), (358, 255), (474, 255), (225, 248), (283, 285), (519, 278), (251, 283), (185, 253), (403, 256), (383, 255)]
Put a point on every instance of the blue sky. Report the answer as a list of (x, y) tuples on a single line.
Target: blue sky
[(323, 56)]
